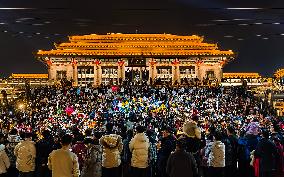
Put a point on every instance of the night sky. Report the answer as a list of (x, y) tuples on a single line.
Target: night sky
[(254, 29)]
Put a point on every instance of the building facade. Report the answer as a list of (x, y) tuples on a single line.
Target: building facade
[(114, 58)]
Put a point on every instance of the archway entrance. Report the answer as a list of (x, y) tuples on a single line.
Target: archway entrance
[(136, 75)]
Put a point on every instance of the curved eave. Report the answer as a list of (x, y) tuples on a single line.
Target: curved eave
[(134, 53)]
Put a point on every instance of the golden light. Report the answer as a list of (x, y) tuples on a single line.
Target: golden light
[(21, 106)]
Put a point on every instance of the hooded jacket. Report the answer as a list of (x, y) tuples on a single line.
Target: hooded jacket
[(4, 160), (25, 152), (139, 146), (63, 163), (217, 154), (112, 148)]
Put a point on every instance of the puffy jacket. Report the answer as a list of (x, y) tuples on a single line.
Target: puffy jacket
[(217, 154), (4, 160), (63, 163), (112, 148), (25, 153), (139, 146)]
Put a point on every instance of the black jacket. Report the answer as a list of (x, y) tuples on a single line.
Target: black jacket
[(181, 164), (266, 151)]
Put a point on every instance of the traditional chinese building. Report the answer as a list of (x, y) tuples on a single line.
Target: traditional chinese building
[(113, 58)]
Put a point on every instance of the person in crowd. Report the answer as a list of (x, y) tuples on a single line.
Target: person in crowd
[(181, 163), (152, 153), (80, 149), (279, 172), (247, 143), (62, 162), (127, 154), (12, 140), (25, 152), (216, 160), (167, 145), (204, 153), (43, 148), (112, 149), (93, 161), (231, 169), (266, 151), (4, 159), (192, 136), (139, 146)]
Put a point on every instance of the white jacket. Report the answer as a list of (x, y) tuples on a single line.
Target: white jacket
[(63, 163), (112, 148), (217, 154), (25, 152), (4, 160), (139, 146)]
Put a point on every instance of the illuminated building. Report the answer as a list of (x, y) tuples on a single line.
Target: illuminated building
[(113, 58), (279, 76)]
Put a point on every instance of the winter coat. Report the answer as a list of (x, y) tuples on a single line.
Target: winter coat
[(63, 163), (168, 145), (25, 153), (80, 149), (217, 154), (4, 160), (93, 162), (181, 164), (112, 148), (126, 155), (139, 146), (13, 140), (43, 148), (267, 152)]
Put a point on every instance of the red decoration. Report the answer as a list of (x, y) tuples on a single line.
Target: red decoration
[(49, 62), (97, 62), (175, 62), (152, 63), (199, 62), (222, 63), (74, 62), (120, 63)]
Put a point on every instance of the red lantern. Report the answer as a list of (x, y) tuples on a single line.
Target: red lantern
[(74, 62), (120, 63), (222, 63), (49, 62), (97, 62), (152, 63), (175, 62)]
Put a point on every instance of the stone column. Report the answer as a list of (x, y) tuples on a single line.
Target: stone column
[(52, 72), (95, 75), (199, 69), (152, 70), (99, 76), (120, 71), (75, 73), (218, 72), (69, 72), (175, 71)]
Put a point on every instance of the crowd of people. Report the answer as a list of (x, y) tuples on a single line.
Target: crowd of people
[(140, 130)]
